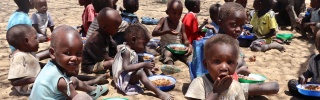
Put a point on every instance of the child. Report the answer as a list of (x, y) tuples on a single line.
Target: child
[(242, 2), (264, 26), (20, 16), (314, 18), (96, 50), (220, 59), (24, 66), (127, 71), (42, 19), (116, 7), (213, 28), (88, 15), (172, 31), (191, 22), (131, 7), (56, 80)]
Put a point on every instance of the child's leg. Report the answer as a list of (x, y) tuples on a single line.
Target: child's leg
[(167, 57), (273, 45), (79, 85), (263, 88), (108, 64), (82, 96), (92, 80), (99, 66), (140, 75)]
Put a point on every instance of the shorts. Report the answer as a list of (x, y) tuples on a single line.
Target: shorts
[(93, 68)]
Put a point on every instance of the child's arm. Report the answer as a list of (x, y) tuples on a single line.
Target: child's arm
[(133, 67), (22, 81), (205, 22), (303, 78), (185, 40), (270, 34), (63, 88), (157, 31), (50, 22), (211, 27), (219, 86)]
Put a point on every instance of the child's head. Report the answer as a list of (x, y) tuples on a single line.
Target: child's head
[(174, 10), (193, 5), (84, 2), (214, 12), (264, 5), (242, 2), (137, 37), (41, 5), (23, 37), (232, 18), (24, 5), (220, 56), (100, 4), (109, 20), (315, 3), (66, 49), (131, 5)]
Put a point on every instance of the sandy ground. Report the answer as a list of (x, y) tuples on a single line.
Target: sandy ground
[(276, 66)]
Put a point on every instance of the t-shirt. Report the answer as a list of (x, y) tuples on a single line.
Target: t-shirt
[(313, 69), (46, 84), (96, 48), (43, 20), (129, 17), (88, 15), (92, 28), (262, 25), (23, 65), (191, 26), (201, 87), (315, 15), (211, 32)]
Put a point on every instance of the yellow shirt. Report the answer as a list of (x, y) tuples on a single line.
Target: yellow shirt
[(263, 25)]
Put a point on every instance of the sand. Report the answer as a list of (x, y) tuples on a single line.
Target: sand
[(276, 66)]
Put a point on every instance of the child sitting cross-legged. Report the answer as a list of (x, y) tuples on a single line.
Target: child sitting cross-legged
[(131, 6), (127, 71), (24, 66), (172, 31), (57, 79)]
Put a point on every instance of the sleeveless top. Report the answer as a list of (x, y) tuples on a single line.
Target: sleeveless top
[(170, 38), (315, 16), (45, 86)]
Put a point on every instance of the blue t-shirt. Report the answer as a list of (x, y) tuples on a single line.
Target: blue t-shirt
[(129, 17), (16, 18), (210, 31)]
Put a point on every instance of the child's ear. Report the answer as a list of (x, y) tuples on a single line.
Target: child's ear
[(52, 53), (26, 41)]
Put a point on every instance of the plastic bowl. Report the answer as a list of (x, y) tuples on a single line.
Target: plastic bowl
[(179, 52), (308, 92), (164, 88), (115, 98), (258, 79), (146, 54), (169, 69), (285, 36), (251, 36)]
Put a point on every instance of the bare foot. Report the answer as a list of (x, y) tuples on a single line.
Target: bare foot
[(165, 96), (102, 79)]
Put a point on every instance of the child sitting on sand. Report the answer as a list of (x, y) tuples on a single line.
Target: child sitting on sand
[(57, 79), (88, 15), (213, 28), (220, 58), (127, 71), (190, 21), (42, 19), (24, 66), (172, 31), (96, 50), (131, 7), (264, 26)]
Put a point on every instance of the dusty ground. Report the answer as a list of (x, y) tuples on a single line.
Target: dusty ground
[(276, 66)]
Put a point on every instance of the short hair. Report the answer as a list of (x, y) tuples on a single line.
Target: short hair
[(138, 30), (17, 33), (100, 4), (221, 39), (267, 4), (171, 2), (213, 7), (129, 5), (229, 8), (55, 36), (22, 3), (190, 4)]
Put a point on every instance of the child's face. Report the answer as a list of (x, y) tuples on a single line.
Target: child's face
[(197, 8), (221, 61), (257, 5), (242, 2), (68, 53), (175, 12), (233, 24), (41, 6), (139, 44), (33, 44)]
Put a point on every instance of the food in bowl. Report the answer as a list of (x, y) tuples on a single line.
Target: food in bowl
[(312, 87), (162, 82), (178, 48)]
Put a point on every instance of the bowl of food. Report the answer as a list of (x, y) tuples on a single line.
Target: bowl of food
[(309, 89), (252, 78), (177, 48), (146, 57), (248, 36), (285, 36), (163, 82)]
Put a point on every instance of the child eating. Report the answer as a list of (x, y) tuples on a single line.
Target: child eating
[(42, 19), (220, 59), (57, 79), (88, 15), (96, 50), (127, 71), (213, 28), (128, 15), (172, 31), (24, 66)]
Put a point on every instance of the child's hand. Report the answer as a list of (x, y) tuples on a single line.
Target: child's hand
[(190, 49), (173, 32), (208, 26), (220, 85), (149, 65), (302, 80), (205, 22)]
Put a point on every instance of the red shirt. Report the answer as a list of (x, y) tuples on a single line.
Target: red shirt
[(191, 26), (88, 16)]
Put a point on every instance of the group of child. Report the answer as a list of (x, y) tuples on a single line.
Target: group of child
[(105, 49)]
